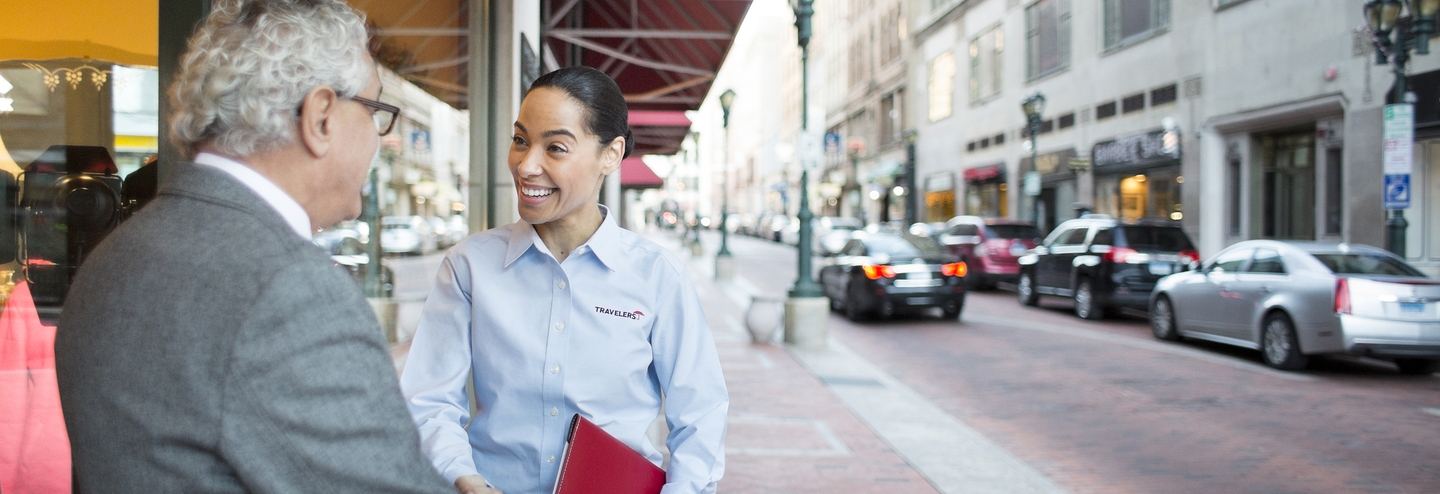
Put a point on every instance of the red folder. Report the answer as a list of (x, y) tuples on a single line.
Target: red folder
[(596, 463)]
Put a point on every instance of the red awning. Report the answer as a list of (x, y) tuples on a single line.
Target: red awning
[(635, 174), (653, 118), (663, 54)]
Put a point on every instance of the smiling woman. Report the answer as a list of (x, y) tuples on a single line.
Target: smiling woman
[(567, 313)]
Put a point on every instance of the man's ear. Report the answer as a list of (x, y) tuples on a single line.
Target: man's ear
[(317, 117), (612, 155)]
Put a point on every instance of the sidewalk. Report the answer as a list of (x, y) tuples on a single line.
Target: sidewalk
[(787, 433), (787, 404)]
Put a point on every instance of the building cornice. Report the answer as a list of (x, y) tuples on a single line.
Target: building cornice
[(938, 21)]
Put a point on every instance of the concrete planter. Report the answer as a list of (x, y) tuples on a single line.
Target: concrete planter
[(763, 318)]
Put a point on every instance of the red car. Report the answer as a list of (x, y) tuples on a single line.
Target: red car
[(989, 247)]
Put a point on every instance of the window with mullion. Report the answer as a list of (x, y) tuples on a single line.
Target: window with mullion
[(1047, 36), (1132, 20)]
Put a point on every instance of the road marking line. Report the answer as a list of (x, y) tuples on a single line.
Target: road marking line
[(1138, 343), (1432, 411)]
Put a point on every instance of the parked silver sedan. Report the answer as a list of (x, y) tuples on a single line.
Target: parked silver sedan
[(1294, 299)]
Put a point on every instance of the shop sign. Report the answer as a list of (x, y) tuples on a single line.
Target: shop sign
[(940, 181), (420, 141), (984, 173), (1138, 150), (1049, 163)]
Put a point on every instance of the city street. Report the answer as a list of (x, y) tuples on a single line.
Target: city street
[(1104, 407)]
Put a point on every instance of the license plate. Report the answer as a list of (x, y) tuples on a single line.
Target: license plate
[(1412, 308), (916, 283), (919, 275), (920, 300), (1161, 268)]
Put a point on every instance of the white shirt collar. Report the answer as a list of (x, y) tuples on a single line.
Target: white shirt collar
[(272, 194)]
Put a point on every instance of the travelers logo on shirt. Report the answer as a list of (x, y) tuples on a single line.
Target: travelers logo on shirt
[(628, 315)]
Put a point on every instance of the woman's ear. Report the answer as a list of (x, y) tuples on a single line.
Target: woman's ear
[(612, 155)]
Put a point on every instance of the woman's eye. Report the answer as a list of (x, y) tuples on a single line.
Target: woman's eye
[(517, 141), (557, 149)]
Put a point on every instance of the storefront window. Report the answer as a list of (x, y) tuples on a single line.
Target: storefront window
[(987, 200), (1154, 194), (939, 197)]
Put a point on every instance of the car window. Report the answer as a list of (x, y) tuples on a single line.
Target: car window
[(1104, 236), (1366, 263), (1230, 262), (1266, 261), (1074, 236), (1012, 231), (903, 246), (1153, 238), (854, 248), (964, 229)]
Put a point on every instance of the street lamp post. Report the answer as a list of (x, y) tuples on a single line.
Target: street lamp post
[(1033, 106), (806, 310), (724, 262), (909, 198), (1411, 32)]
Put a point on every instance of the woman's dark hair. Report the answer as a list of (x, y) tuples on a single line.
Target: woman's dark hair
[(606, 115)]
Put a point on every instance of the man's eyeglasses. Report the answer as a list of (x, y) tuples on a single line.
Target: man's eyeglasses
[(384, 115)]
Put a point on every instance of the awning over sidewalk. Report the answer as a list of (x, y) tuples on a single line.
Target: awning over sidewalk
[(664, 54), (635, 174)]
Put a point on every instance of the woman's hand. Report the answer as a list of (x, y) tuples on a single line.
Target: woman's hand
[(474, 484)]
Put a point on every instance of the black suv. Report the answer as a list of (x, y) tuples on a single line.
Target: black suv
[(1103, 263)]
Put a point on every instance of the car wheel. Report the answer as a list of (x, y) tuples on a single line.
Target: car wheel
[(835, 304), (1025, 290), (1162, 320), (1417, 366), (1278, 344), (1085, 305), (953, 312)]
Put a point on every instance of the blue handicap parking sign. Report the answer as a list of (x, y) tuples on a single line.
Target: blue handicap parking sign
[(1397, 191)]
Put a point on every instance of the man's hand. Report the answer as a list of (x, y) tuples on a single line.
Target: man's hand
[(474, 484)]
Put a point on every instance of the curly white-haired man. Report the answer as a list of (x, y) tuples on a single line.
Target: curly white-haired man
[(207, 345)]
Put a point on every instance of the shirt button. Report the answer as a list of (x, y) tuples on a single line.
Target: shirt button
[(559, 326), (555, 369), (554, 411), (552, 458), (562, 285)]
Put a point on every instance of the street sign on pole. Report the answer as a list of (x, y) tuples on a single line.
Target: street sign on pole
[(1032, 183), (809, 149), (1397, 191), (1398, 154)]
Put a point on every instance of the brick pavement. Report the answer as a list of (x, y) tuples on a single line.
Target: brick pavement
[(1104, 408)]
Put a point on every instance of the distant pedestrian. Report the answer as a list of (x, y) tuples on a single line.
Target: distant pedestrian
[(207, 345), (562, 313)]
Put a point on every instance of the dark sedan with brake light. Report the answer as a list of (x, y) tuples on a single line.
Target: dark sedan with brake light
[(884, 273)]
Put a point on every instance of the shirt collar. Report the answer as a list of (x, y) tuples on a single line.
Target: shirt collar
[(272, 194), (604, 243)]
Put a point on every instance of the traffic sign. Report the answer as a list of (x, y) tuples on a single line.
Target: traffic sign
[(1399, 139), (1397, 191)]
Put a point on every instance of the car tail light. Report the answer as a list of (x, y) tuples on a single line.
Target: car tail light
[(1189, 256), (1342, 296), (953, 269), (877, 272), (1122, 254)]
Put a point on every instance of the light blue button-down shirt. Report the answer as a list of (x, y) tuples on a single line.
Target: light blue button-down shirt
[(602, 334)]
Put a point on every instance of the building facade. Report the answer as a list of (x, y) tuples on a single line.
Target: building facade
[(1237, 118)]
